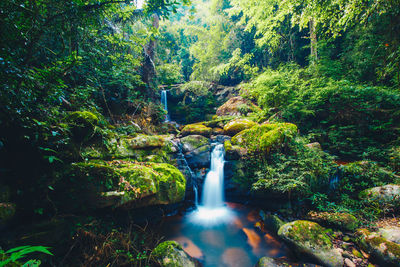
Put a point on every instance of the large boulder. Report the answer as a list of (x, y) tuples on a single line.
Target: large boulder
[(387, 252), (200, 157), (385, 195), (196, 129), (171, 254), (233, 152), (192, 142), (339, 220), (140, 147), (311, 239), (271, 222), (236, 106), (263, 138), (237, 125), (126, 184), (391, 233)]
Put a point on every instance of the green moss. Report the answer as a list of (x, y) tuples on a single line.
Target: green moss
[(341, 220), (306, 232), (273, 222), (227, 146), (235, 126), (356, 253), (172, 183), (164, 248), (219, 121), (82, 124), (133, 181), (153, 148), (265, 137), (387, 251), (192, 129), (168, 254), (192, 142)]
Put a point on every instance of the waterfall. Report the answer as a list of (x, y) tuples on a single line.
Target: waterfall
[(164, 102), (214, 183), (196, 201), (212, 209)]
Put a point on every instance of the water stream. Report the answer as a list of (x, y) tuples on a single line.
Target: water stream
[(164, 103), (222, 234)]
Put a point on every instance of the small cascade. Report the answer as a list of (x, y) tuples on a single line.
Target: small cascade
[(214, 182), (164, 103), (212, 209), (196, 197), (334, 182)]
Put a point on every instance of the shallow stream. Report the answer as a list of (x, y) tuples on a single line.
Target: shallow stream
[(236, 241)]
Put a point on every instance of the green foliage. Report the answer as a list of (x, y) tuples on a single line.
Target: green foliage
[(169, 74), (266, 137), (357, 176), (348, 119), (195, 88), (300, 171), (237, 69), (12, 256)]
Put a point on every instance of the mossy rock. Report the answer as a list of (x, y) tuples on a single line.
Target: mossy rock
[(272, 222), (235, 126), (263, 138), (386, 195), (171, 254), (311, 239), (129, 184), (218, 121), (339, 220), (387, 252), (391, 233), (82, 124), (140, 148), (196, 129), (142, 141), (217, 131), (192, 142), (7, 212)]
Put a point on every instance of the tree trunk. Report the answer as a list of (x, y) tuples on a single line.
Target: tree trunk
[(149, 52), (313, 42)]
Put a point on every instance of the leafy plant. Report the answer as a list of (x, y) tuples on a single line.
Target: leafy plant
[(14, 255)]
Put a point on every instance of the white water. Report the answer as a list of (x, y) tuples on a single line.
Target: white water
[(164, 102), (212, 209), (214, 184)]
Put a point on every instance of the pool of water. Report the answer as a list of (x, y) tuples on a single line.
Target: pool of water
[(236, 238)]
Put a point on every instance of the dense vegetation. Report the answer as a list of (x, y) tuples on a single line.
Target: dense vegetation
[(79, 100)]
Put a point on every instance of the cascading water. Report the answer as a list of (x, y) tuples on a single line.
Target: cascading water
[(218, 234), (212, 209), (164, 102), (214, 184)]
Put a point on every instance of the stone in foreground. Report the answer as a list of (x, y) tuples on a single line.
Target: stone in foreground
[(310, 238), (171, 254)]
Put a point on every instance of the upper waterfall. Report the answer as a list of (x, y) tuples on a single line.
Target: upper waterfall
[(164, 103)]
